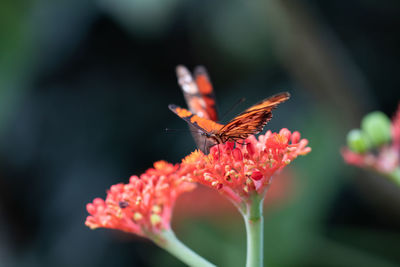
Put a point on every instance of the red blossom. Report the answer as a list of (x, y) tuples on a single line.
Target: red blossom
[(395, 128), (240, 171), (353, 158), (385, 161), (218, 209), (144, 205)]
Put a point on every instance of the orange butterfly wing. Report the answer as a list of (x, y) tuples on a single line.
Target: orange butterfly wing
[(252, 120), (198, 92), (202, 124), (207, 92), (200, 99)]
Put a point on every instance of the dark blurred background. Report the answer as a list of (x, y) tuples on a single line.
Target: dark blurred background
[(84, 89)]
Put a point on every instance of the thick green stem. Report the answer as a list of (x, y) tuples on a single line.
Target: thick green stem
[(395, 176), (168, 241), (253, 217)]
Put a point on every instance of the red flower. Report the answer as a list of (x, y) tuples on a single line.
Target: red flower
[(395, 127), (218, 209), (240, 171), (144, 205), (353, 158), (385, 161)]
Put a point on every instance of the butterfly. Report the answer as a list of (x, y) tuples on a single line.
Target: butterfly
[(200, 99), (202, 104)]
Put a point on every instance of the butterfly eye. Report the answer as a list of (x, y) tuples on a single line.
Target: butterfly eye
[(205, 134)]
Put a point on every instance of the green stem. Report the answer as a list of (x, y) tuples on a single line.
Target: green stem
[(168, 241), (253, 217), (395, 176)]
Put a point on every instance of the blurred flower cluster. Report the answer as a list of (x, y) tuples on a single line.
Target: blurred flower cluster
[(376, 145)]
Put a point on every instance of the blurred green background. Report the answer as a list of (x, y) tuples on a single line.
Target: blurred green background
[(84, 89)]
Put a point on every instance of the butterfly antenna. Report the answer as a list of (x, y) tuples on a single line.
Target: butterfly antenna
[(168, 130), (240, 101)]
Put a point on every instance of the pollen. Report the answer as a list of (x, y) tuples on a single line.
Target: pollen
[(208, 177), (156, 209), (155, 219), (137, 216), (214, 183)]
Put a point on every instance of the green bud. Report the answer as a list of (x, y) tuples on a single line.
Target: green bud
[(358, 141), (377, 126)]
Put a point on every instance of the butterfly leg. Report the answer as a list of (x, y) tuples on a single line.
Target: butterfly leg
[(204, 146), (242, 144), (219, 153)]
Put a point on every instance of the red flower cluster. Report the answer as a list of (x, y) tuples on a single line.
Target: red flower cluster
[(144, 205), (240, 171)]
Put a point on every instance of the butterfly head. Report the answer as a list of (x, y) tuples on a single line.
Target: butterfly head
[(214, 137)]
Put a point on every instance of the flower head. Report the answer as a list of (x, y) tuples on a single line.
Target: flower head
[(144, 205), (376, 145), (240, 171)]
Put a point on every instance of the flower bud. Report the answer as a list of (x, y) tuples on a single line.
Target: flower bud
[(377, 126), (257, 175), (358, 141)]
